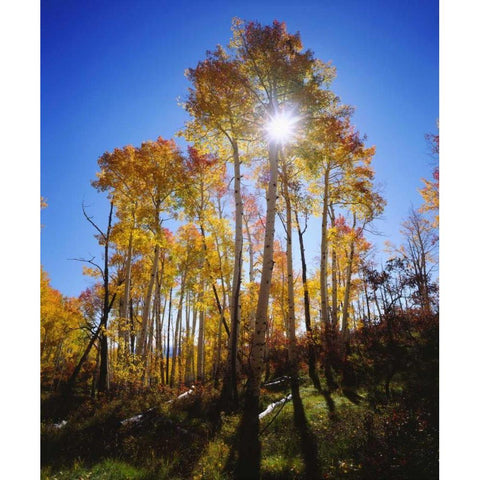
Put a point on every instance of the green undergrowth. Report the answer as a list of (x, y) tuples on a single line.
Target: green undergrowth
[(193, 439), (105, 470)]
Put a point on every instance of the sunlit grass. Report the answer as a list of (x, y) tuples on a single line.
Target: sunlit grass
[(346, 446), (105, 470)]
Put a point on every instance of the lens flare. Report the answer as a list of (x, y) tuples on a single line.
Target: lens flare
[(281, 127)]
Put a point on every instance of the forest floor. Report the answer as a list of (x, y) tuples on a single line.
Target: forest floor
[(192, 439)]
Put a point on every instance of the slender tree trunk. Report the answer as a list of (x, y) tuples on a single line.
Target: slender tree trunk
[(126, 291), (201, 339), (308, 443), (327, 324), (103, 383), (360, 309), (268, 336), (222, 310), (251, 278), (261, 315), (187, 339), (283, 303), (324, 252), (348, 284), (230, 392), (334, 320), (383, 297), (191, 353), (142, 341), (159, 342), (176, 336), (334, 266), (132, 328), (212, 281), (249, 451), (221, 306), (149, 346), (312, 360), (95, 373), (292, 339), (348, 374), (80, 363), (218, 354), (377, 305), (167, 371), (367, 301), (180, 356)]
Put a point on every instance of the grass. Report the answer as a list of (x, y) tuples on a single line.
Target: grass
[(194, 441), (105, 470)]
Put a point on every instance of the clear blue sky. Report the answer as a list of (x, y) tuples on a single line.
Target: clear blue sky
[(112, 71)]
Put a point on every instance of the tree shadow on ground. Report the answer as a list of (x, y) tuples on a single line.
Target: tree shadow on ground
[(172, 439), (243, 461), (308, 443), (244, 458)]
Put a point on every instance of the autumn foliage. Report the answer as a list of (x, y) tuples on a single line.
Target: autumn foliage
[(242, 259)]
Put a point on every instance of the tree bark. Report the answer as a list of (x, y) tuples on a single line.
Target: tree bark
[(324, 252), (167, 371), (334, 318), (327, 324), (292, 339), (258, 347), (348, 283), (176, 336), (160, 343), (107, 306), (142, 340), (312, 360), (249, 447), (190, 357), (103, 383), (201, 339), (251, 277), (230, 392), (151, 329), (126, 291)]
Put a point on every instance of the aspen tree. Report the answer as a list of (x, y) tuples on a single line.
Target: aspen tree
[(217, 103), (280, 76)]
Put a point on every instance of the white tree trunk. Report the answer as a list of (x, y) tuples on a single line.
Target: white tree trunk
[(258, 345), (141, 345)]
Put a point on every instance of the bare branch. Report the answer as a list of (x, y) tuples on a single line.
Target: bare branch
[(91, 262), (92, 222)]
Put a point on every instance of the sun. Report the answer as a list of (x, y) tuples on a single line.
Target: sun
[(281, 127)]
